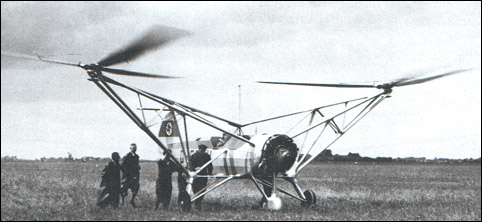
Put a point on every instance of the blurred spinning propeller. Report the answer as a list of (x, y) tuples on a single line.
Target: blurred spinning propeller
[(155, 38), (398, 82)]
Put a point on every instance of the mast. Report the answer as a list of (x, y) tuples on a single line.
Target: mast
[(239, 103)]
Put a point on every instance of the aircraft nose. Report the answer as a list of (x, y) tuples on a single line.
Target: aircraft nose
[(285, 158), (280, 153)]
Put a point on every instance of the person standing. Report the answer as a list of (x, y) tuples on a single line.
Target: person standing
[(198, 159), (111, 182), (164, 181), (130, 174)]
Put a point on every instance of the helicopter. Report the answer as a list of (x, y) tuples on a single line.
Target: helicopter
[(263, 158)]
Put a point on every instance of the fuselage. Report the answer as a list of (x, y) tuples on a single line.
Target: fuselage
[(231, 158)]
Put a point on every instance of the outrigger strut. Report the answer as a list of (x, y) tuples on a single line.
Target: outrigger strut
[(100, 81), (366, 105)]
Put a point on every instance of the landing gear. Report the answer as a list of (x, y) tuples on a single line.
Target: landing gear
[(184, 201), (310, 198), (307, 198)]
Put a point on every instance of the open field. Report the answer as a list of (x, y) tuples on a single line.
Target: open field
[(345, 191)]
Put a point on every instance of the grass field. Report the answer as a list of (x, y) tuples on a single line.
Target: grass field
[(345, 191)]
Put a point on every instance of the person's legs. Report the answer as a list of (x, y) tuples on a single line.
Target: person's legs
[(197, 185), (102, 201), (134, 186), (158, 193), (167, 196), (115, 197), (123, 190)]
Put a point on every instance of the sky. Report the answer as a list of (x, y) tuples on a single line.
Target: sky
[(51, 110)]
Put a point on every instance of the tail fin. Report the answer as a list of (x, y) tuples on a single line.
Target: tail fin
[(169, 128)]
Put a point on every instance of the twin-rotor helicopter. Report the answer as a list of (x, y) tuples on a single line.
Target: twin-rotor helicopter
[(262, 158)]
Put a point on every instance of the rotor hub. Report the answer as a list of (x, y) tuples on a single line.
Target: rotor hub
[(387, 87)]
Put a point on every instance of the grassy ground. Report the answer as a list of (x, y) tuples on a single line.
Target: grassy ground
[(345, 191)]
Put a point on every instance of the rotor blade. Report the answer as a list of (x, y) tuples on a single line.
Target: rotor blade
[(399, 82), (421, 80), (343, 85), (154, 38), (18, 55), (37, 58), (58, 62), (131, 73)]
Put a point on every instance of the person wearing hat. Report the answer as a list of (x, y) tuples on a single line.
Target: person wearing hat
[(130, 174), (111, 182), (198, 159), (164, 180)]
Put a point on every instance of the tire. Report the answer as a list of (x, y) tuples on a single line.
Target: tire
[(310, 198)]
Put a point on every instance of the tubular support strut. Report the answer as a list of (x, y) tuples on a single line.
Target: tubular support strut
[(212, 188), (266, 183), (123, 106)]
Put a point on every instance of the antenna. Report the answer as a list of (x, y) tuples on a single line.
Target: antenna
[(239, 107)]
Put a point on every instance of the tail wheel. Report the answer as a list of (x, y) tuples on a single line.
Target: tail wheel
[(310, 198), (184, 201)]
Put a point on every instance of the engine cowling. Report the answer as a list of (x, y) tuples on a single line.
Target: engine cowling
[(279, 153)]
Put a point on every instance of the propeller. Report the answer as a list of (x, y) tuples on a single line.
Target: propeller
[(399, 82), (156, 37)]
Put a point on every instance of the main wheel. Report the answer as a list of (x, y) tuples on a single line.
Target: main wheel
[(184, 201), (310, 198)]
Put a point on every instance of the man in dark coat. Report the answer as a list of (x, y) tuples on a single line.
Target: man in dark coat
[(164, 181), (198, 159), (130, 174), (111, 181)]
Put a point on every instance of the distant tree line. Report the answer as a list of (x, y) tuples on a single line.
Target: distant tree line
[(63, 159), (327, 156)]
